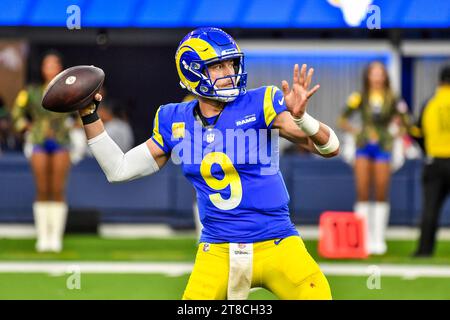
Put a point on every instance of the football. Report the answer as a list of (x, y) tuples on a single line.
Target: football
[(73, 89)]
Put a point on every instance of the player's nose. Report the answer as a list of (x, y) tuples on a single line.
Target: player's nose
[(228, 70)]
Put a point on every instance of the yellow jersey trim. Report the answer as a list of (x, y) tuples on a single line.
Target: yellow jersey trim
[(156, 135), (269, 110)]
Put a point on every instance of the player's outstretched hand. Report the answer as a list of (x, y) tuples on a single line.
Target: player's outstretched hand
[(297, 97), (92, 107)]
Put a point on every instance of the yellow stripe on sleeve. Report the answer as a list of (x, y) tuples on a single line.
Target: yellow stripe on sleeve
[(156, 135), (269, 110)]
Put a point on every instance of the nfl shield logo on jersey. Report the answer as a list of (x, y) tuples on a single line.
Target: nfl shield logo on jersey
[(210, 137)]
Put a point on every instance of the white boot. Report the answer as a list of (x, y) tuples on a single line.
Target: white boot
[(41, 212), (381, 220), (58, 219), (362, 210)]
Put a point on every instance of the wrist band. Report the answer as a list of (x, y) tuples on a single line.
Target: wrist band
[(92, 117), (331, 146), (307, 124)]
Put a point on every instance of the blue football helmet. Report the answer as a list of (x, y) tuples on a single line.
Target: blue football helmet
[(205, 46)]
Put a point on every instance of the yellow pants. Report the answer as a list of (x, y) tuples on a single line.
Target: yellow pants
[(286, 269)]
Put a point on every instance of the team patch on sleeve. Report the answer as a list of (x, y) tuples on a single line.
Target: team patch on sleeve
[(178, 130)]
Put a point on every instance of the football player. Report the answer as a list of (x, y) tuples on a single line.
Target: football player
[(248, 239)]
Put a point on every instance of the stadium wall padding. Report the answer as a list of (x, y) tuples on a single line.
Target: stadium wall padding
[(315, 185)]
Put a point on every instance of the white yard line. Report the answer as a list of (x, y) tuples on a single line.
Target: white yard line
[(177, 268), (167, 268), (405, 271)]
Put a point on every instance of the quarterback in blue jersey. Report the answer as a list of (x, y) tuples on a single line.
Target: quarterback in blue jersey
[(226, 143)]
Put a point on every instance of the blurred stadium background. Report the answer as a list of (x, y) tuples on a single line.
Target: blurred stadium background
[(138, 240)]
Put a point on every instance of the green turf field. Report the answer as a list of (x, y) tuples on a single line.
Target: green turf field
[(156, 286), (15, 285)]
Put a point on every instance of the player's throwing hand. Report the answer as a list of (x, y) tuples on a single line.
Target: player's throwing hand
[(297, 97), (92, 107)]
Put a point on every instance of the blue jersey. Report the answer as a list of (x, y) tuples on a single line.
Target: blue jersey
[(232, 164)]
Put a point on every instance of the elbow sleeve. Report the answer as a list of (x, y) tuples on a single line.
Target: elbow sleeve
[(117, 166)]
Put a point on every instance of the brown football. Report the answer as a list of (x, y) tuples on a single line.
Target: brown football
[(73, 89)]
